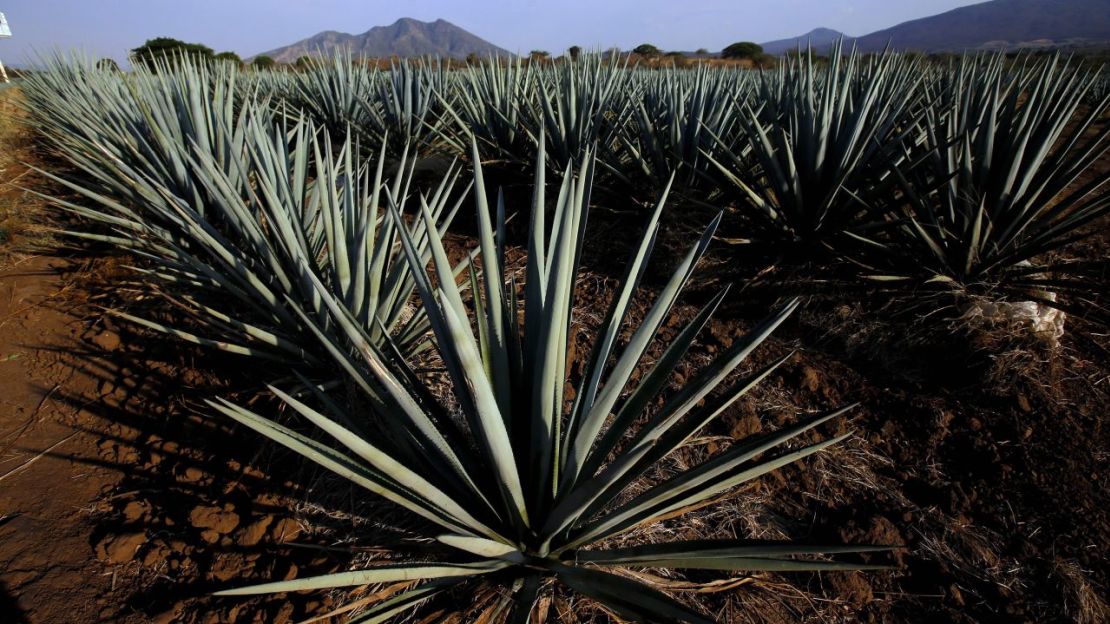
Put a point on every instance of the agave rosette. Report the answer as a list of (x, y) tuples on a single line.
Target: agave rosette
[(1004, 182), (815, 141), (676, 123), (525, 485)]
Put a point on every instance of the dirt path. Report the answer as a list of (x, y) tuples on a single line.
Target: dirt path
[(48, 488), (118, 503), (54, 381)]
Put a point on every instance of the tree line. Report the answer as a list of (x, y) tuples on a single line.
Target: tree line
[(159, 48)]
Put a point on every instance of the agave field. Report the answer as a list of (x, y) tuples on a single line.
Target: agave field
[(404, 263)]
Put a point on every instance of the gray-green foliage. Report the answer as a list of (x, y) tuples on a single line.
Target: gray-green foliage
[(282, 211), (846, 154), (1000, 178), (528, 484), (284, 241), (399, 106), (237, 213), (492, 104), (676, 124), (577, 104), (812, 138)]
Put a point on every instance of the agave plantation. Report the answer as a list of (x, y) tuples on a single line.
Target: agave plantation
[(288, 216)]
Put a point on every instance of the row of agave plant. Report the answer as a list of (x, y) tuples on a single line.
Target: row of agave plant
[(963, 179), (283, 215)]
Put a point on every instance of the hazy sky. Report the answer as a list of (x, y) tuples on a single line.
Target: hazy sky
[(111, 27)]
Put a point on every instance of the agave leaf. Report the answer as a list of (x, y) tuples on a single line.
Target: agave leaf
[(627, 598), (482, 547), (715, 549), (524, 599), (492, 433), (752, 564), (634, 351), (404, 601), (705, 480), (388, 466), (621, 471), (389, 573), (338, 463)]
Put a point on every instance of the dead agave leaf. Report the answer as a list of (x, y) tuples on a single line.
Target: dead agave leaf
[(372, 598), (710, 587)]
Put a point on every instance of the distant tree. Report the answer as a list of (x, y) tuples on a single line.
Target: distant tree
[(263, 62), (107, 64), (161, 48), (473, 59), (228, 57), (539, 55), (742, 50), (574, 52), (304, 62), (702, 52), (646, 49)]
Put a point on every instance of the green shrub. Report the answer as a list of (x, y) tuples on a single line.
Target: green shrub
[(163, 48), (229, 57), (742, 50)]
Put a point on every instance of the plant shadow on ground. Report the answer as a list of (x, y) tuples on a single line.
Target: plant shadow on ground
[(10, 607), (201, 506)]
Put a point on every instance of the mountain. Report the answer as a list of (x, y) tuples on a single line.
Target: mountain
[(819, 38), (406, 37), (998, 24)]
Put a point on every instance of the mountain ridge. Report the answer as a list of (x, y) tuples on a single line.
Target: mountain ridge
[(991, 25), (999, 24), (407, 37), (820, 38)]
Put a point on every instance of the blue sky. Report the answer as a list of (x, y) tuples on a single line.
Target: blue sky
[(111, 27)]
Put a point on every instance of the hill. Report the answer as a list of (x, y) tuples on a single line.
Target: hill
[(819, 38), (1000, 24), (405, 38)]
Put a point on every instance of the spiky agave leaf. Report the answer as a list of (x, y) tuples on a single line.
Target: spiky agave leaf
[(491, 103), (336, 92), (398, 106), (1001, 182), (581, 104), (405, 109), (679, 120), (145, 120), (812, 137), (234, 214), (534, 482), (576, 103)]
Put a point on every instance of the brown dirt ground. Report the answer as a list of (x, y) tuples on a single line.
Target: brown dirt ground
[(101, 518), (46, 497), (984, 455)]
